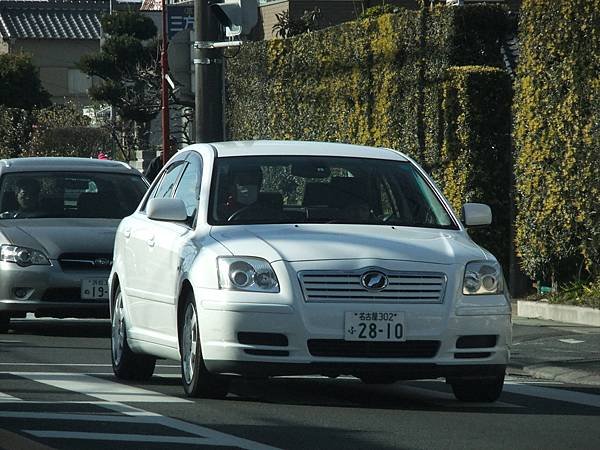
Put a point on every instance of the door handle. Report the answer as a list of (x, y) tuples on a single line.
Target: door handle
[(150, 242), (127, 232)]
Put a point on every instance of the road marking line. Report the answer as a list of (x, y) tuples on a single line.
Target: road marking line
[(17, 442), (119, 437), (99, 388), (571, 341), (554, 394), (216, 437), (8, 398), (71, 416), (173, 366)]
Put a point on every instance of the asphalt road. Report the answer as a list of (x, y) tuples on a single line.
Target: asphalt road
[(57, 391)]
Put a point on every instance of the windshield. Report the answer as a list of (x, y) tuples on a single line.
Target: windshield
[(69, 194), (295, 189)]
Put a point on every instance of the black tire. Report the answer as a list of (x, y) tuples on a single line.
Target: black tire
[(196, 379), (481, 391), (4, 322), (126, 364)]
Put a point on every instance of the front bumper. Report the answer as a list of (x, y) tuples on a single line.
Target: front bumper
[(48, 291), (260, 334), (281, 343)]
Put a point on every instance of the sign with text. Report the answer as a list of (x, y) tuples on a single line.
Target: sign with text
[(179, 18)]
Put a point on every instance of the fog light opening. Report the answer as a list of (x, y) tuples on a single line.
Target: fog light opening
[(21, 292)]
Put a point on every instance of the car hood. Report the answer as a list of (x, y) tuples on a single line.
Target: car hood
[(57, 236), (309, 242)]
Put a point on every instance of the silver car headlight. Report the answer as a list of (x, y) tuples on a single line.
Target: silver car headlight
[(23, 256), (483, 278), (245, 273)]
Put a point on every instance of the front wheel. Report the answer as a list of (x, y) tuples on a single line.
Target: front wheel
[(482, 391), (126, 364), (197, 380)]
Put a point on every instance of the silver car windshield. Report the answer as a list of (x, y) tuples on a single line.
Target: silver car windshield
[(294, 189), (69, 194)]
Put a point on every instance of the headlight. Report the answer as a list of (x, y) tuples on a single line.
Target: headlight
[(23, 256), (483, 277), (244, 273)]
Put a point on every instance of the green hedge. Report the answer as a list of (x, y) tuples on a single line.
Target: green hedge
[(475, 163), (388, 81), (557, 133), (60, 130)]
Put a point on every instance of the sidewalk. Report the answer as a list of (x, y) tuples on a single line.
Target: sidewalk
[(557, 351)]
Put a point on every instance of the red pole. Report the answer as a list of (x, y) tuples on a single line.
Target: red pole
[(164, 64)]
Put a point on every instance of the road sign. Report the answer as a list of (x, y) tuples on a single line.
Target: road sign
[(179, 18)]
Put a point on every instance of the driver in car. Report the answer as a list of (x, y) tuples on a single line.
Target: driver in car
[(243, 190), (27, 192)]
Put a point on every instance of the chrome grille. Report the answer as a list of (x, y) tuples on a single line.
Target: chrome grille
[(85, 261), (403, 287)]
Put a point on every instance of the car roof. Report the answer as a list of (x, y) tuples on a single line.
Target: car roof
[(303, 148), (59, 163)]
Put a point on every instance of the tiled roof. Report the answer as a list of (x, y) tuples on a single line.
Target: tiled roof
[(52, 19), (151, 5)]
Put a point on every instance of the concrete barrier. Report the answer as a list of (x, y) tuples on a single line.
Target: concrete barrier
[(559, 313)]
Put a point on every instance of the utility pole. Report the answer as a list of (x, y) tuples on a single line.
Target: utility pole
[(208, 123), (164, 65)]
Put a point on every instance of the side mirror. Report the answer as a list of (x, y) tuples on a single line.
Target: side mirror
[(476, 214), (169, 209)]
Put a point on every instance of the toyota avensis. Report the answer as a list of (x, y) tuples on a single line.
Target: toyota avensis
[(58, 219), (285, 258)]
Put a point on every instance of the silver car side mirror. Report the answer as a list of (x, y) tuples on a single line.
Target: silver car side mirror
[(476, 214), (169, 209)]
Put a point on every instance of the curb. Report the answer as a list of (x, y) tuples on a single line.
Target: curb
[(562, 374), (559, 313)]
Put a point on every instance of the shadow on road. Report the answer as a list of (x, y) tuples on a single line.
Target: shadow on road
[(96, 328)]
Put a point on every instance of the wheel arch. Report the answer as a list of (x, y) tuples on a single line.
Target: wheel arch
[(186, 289), (114, 285)]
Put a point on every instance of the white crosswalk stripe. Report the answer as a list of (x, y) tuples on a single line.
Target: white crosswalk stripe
[(109, 391), (113, 397)]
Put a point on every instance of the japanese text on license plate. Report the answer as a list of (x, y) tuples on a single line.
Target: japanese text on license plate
[(373, 326), (94, 289)]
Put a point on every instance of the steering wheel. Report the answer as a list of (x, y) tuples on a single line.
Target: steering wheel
[(253, 211)]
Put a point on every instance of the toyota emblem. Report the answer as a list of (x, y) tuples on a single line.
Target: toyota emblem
[(374, 281)]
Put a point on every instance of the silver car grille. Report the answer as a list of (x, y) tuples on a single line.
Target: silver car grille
[(344, 286), (85, 261)]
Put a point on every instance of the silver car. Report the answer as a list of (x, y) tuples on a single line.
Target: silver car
[(58, 218)]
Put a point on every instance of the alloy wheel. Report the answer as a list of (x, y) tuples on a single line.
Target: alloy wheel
[(118, 330), (190, 343)]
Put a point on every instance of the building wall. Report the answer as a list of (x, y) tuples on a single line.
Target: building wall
[(54, 58), (267, 17)]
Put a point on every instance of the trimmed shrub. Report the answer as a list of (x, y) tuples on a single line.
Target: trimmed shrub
[(557, 134), (475, 157), (60, 130)]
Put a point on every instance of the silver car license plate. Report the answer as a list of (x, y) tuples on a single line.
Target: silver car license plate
[(94, 289)]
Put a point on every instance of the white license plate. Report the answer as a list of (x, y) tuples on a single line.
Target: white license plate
[(94, 289), (373, 326)]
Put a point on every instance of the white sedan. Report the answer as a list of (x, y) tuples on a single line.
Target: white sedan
[(267, 258)]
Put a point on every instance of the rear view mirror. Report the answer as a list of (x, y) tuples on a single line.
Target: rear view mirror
[(476, 214), (311, 169), (170, 209)]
